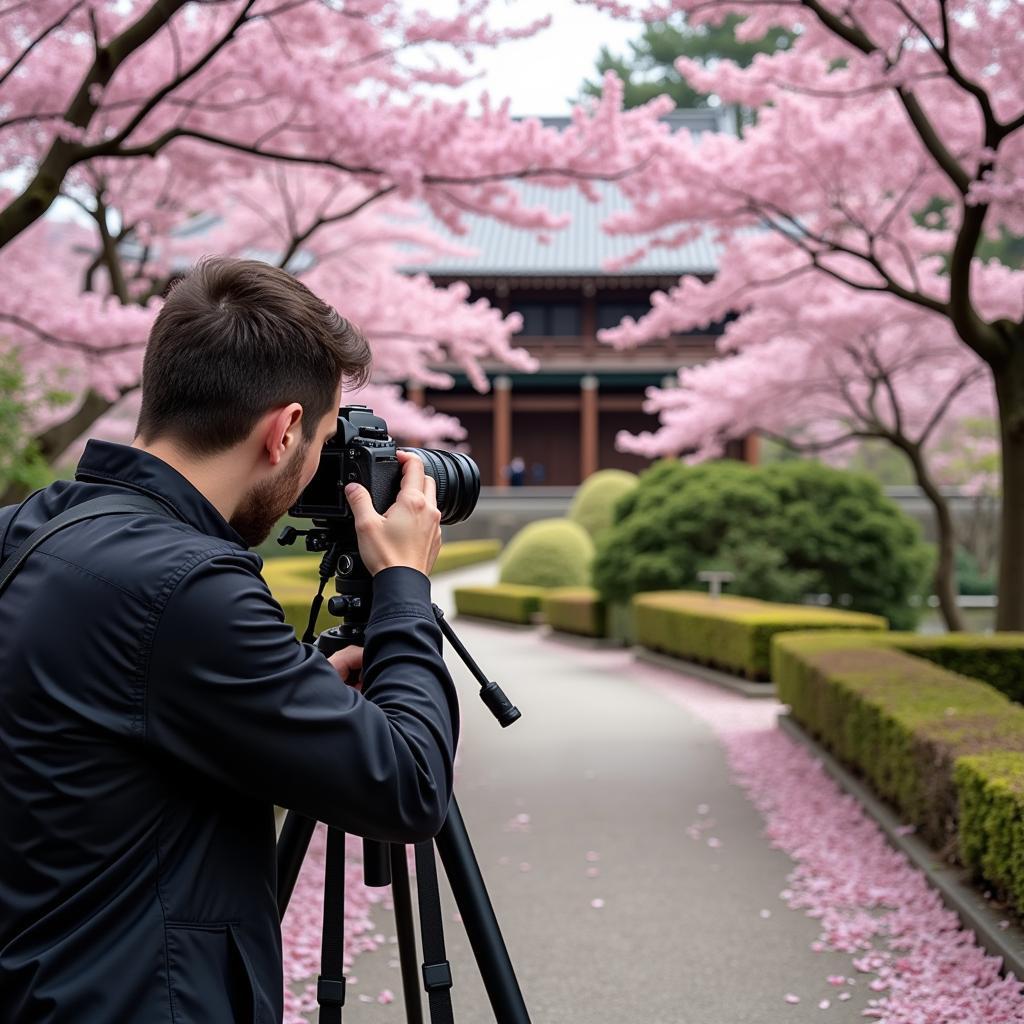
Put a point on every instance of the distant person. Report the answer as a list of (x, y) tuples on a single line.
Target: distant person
[(516, 472), (537, 473)]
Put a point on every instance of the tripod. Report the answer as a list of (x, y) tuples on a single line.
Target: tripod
[(385, 863)]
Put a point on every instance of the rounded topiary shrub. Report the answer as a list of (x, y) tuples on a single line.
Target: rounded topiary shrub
[(548, 553), (593, 505), (786, 531)]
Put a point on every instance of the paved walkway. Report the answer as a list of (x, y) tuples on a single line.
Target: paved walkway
[(629, 875)]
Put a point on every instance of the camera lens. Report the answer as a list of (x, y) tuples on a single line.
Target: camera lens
[(458, 481)]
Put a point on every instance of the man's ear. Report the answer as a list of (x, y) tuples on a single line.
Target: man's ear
[(283, 431)]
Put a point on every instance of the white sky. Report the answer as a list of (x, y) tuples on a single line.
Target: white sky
[(542, 73)]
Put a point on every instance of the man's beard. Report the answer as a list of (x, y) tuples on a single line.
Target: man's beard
[(265, 503)]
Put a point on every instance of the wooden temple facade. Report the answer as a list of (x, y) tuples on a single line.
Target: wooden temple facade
[(562, 421)]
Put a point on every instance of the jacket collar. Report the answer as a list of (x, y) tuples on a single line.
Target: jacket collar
[(107, 462)]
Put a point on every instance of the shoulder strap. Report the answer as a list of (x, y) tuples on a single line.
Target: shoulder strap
[(107, 505)]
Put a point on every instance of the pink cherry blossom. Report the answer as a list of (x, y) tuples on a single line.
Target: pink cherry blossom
[(300, 133)]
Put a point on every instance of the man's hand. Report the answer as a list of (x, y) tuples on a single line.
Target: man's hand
[(409, 533), (349, 663)]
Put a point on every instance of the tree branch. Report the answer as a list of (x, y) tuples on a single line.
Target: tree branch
[(37, 197), (17, 62)]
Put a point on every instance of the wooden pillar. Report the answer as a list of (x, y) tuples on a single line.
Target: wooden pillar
[(752, 449), (502, 429), (588, 319), (588, 426)]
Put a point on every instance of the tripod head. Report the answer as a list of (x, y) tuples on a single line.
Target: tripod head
[(352, 583), (353, 603)]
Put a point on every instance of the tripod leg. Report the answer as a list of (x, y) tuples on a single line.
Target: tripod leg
[(291, 851), (478, 917), (406, 930)]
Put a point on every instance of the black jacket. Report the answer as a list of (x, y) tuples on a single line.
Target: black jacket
[(155, 707)]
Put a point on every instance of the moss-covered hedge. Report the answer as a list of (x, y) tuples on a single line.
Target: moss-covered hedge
[(457, 554), (575, 610), (732, 633), (932, 742), (508, 602), (991, 826), (994, 658)]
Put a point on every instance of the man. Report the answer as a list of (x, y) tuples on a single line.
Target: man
[(156, 706)]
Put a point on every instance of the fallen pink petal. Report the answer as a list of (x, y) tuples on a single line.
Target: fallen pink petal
[(869, 901), (790, 998)]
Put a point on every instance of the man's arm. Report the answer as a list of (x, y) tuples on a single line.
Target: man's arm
[(233, 695)]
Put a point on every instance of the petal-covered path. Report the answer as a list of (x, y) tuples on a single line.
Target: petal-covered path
[(636, 882)]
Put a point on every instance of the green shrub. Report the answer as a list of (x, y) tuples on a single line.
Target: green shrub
[(991, 825), (548, 553), (785, 529), (575, 610), (509, 602), (733, 633), (593, 505), (899, 720)]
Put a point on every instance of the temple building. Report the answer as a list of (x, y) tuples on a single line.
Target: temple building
[(561, 421)]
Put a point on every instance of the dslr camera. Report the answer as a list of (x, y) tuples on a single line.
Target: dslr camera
[(363, 452)]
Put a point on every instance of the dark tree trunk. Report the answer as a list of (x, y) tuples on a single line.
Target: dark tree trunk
[(1009, 380), (56, 440), (945, 570)]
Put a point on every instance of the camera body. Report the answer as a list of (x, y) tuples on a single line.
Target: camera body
[(360, 452), (363, 452)]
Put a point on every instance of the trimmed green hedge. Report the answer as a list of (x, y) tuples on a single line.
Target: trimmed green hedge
[(457, 554), (509, 602), (994, 658), (991, 792), (911, 728), (733, 633), (576, 610)]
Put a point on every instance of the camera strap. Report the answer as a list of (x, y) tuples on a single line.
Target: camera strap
[(107, 505)]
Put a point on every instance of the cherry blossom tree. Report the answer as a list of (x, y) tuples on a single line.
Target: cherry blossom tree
[(889, 145), (298, 130), (821, 369)]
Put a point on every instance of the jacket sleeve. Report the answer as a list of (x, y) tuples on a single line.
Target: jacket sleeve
[(232, 693)]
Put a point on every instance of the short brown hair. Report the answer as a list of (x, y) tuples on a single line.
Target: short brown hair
[(234, 339)]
